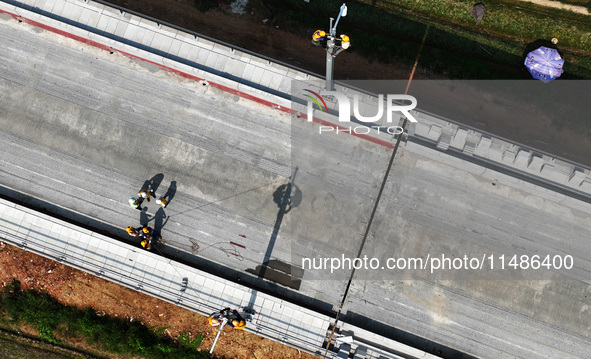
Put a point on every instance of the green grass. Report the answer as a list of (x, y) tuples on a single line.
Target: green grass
[(519, 19), (13, 346), (392, 30), (54, 320), (510, 25)]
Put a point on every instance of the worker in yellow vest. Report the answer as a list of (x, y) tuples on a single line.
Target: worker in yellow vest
[(147, 244), (319, 38), (149, 233), (233, 318), (216, 318), (134, 232), (345, 44), (236, 321), (146, 194), (162, 202)]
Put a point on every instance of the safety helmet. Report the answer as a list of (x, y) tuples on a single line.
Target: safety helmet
[(129, 229), (238, 324), (132, 200), (146, 230), (144, 242), (345, 38), (321, 32)]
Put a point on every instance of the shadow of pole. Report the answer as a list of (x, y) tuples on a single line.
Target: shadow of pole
[(286, 197)]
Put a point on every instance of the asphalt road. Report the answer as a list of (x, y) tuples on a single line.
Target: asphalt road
[(82, 130)]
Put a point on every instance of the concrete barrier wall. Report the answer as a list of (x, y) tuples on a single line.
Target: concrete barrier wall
[(158, 276)]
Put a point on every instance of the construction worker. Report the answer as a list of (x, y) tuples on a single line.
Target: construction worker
[(213, 321), (236, 321), (345, 44), (236, 324), (134, 232), (319, 38), (146, 194), (162, 202), (149, 233), (136, 203), (216, 318), (147, 244)]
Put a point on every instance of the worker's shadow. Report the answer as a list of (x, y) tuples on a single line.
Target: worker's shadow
[(153, 183), (169, 195)]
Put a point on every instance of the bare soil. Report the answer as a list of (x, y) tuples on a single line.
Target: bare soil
[(73, 287)]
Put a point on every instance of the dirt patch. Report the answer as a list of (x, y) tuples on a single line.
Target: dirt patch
[(73, 287)]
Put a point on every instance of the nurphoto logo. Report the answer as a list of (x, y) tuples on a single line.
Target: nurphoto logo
[(345, 111)]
